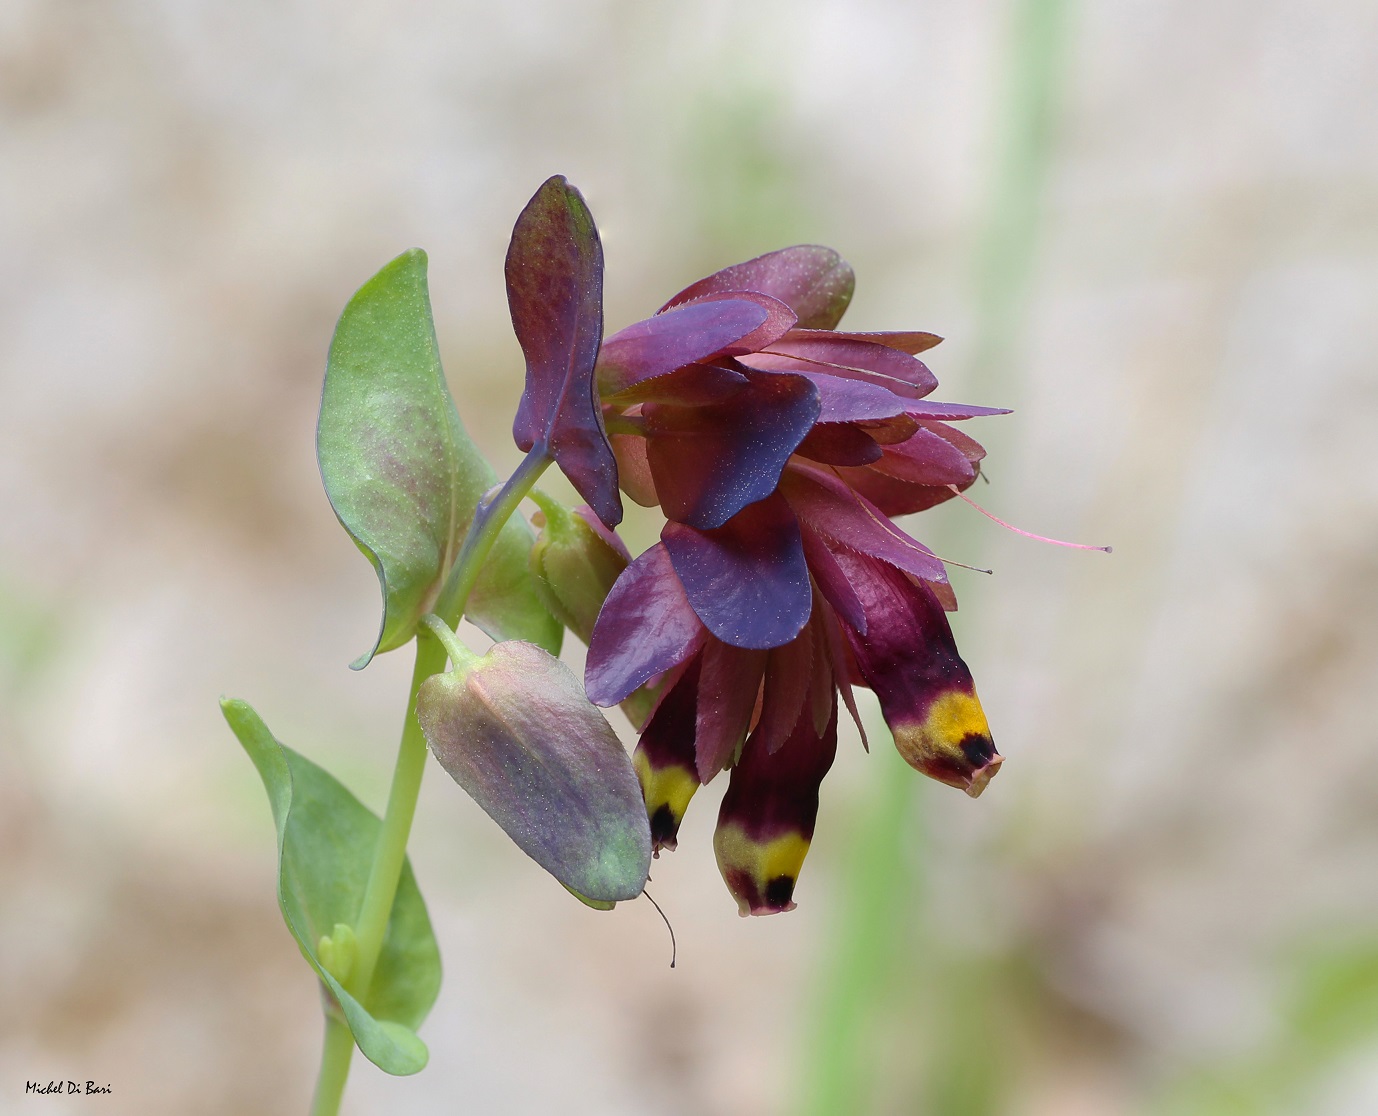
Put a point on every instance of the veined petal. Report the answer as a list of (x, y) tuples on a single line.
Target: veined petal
[(729, 683), (831, 579), (897, 495), (894, 496), (646, 626), (969, 446), (839, 443), (908, 657), (858, 356), (822, 686), (747, 580), (692, 385), (926, 458), (890, 431), (932, 409), (767, 817), (839, 513), (770, 361), (780, 319), (906, 341), (667, 341), (711, 461), (555, 292), (813, 281), (847, 400), (839, 652), (789, 671), (634, 469)]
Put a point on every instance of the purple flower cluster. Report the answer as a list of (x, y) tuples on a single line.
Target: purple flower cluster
[(778, 448)]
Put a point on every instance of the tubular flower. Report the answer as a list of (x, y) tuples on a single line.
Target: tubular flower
[(778, 448)]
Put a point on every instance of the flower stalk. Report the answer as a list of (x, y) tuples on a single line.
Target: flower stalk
[(390, 853)]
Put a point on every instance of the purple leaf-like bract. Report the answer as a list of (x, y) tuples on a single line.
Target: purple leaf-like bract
[(555, 293), (646, 626), (746, 580)]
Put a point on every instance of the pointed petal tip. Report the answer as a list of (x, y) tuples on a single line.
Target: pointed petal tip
[(981, 777)]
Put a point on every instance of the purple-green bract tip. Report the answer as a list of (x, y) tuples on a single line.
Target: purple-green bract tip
[(517, 733)]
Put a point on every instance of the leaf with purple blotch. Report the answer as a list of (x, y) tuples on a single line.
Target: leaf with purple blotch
[(402, 474)]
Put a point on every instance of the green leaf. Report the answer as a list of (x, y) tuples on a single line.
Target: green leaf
[(401, 472), (326, 839)]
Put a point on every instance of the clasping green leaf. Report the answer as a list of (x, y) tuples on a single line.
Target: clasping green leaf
[(326, 839)]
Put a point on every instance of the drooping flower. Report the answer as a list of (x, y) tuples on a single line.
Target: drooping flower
[(778, 448), (875, 617)]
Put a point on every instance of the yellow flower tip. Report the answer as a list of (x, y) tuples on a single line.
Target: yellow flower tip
[(951, 743), (667, 791), (759, 874)]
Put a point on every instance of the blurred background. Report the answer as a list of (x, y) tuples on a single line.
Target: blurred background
[(1150, 226)]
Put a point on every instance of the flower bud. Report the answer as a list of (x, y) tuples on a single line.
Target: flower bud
[(575, 560), (515, 730)]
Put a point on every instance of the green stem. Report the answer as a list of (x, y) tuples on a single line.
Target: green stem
[(458, 653), (489, 518), (840, 1066), (335, 1058), (391, 851)]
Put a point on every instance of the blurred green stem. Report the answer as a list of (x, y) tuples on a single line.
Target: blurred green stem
[(1006, 251), (391, 850), (335, 1057), (870, 955), (867, 943)]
